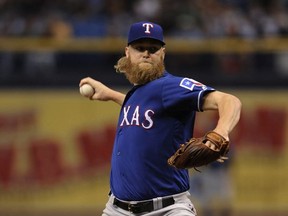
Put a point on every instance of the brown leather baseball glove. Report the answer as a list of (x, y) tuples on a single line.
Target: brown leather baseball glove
[(196, 152)]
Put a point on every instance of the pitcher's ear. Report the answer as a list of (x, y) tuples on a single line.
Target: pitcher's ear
[(127, 51)]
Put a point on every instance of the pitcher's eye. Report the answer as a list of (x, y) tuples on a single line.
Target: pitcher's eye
[(150, 49)]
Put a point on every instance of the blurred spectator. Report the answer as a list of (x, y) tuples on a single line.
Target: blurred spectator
[(213, 189), (187, 18), (59, 29), (147, 9)]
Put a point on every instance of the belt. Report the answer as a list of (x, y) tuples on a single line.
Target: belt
[(140, 207)]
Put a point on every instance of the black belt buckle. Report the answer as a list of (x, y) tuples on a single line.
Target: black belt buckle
[(140, 207), (132, 208)]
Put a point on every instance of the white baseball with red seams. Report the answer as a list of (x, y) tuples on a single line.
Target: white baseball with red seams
[(87, 90)]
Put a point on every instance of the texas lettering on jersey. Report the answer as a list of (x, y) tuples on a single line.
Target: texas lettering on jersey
[(137, 117)]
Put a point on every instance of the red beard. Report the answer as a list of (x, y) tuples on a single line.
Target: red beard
[(139, 73)]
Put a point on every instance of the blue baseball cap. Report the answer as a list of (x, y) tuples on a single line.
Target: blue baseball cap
[(142, 30)]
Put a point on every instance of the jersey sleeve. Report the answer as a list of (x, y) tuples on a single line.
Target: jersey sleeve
[(181, 94)]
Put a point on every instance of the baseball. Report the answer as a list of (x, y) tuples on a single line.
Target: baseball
[(87, 90)]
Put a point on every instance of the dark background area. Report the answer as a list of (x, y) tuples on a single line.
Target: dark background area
[(65, 69)]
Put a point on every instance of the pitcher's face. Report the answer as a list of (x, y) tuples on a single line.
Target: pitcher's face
[(146, 61)]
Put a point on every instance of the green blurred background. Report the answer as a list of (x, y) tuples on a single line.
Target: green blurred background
[(55, 145)]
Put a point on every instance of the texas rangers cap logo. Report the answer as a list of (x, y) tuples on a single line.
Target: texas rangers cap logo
[(147, 27), (144, 30)]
